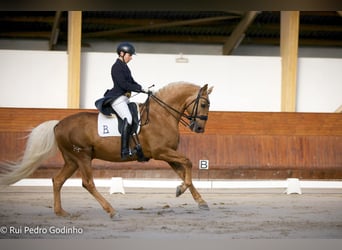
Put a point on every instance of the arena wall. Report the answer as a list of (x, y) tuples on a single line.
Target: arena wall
[(238, 145)]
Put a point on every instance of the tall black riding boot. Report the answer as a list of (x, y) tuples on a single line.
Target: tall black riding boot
[(125, 135)]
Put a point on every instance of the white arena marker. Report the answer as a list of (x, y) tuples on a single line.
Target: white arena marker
[(203, 164), (293, 186), (116, 186)]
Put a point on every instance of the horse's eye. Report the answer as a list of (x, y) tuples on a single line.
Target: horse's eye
[(203, 105)]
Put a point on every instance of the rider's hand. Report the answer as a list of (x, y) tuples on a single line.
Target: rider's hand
[(146, 91)]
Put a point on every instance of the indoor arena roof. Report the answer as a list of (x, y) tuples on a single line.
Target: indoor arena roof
[(317, 28)]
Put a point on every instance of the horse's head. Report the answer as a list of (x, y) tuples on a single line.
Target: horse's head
[(198, 108)]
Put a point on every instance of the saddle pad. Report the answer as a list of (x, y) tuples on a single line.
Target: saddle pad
[(109, 125)]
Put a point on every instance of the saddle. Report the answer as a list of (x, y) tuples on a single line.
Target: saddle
[(105, 108)]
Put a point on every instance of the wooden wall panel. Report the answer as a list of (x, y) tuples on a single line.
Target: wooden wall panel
[(267, 151), (238, 145), (273, 123)]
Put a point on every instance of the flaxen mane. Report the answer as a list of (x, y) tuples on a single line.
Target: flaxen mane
[(173, 87)]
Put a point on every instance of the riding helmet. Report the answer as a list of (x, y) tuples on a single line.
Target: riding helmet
[(126, 47)]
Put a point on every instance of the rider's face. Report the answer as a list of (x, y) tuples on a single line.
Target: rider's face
[(126, 57)]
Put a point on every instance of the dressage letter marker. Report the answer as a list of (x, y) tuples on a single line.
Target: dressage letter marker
[(203, 164), (105, 129)]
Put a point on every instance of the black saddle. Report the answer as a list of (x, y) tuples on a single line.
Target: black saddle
[(104, 105)]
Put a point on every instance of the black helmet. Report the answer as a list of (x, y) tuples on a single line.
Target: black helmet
[(126, 47)]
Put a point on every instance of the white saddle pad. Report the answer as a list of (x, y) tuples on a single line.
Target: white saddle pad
[(108, 125)]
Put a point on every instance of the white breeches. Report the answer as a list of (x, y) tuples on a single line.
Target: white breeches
[(120, 105)]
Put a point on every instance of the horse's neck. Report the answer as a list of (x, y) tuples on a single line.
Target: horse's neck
[(171, 102), (175, 100)]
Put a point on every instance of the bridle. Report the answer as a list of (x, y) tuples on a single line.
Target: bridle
[(186, 120), (194, 113)]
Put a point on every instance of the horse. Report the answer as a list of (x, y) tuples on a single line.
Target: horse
[(76, 137)]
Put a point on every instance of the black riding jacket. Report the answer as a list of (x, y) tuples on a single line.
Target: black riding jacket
[(123, 81)]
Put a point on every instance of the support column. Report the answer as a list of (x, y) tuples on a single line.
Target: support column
[(74, 58), (289, 57)]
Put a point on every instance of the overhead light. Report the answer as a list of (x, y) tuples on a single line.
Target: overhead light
[(181, 59)]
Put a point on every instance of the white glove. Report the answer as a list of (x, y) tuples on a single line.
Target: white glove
[(146, 91)]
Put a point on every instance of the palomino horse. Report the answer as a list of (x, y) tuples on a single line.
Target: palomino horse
[(77, 138)]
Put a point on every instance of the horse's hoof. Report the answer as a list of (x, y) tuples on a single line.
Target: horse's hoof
[(112, 214), (62, 213), (203, 206), (115, 216), (178, 191)]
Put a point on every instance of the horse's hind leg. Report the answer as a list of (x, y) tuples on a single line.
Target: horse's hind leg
[(58, 181), (88, 183)]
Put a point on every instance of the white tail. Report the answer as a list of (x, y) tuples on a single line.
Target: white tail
[(41, 145)]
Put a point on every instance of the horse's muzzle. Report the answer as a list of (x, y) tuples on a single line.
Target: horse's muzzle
[(195, 127), (199, 130)]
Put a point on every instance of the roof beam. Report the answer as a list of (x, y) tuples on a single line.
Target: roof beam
[(55, 30), (157, 26), (239, 33)]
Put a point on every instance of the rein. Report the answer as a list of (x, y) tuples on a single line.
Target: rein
[(192, 118)]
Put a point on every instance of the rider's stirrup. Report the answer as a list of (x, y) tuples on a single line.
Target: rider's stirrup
[(140, 154)]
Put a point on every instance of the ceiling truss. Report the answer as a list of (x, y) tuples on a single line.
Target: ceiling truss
[(318, 28)]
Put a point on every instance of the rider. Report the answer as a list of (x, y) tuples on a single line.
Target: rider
[(121, 91)]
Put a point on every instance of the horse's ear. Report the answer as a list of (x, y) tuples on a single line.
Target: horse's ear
[(204, 88)]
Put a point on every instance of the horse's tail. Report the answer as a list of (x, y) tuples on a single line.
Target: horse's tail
[(41, 145)]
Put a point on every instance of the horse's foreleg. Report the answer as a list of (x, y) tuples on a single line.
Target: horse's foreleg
[(202, 204), (88, 184), (58, 181), (183, 167), (180, 170)]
